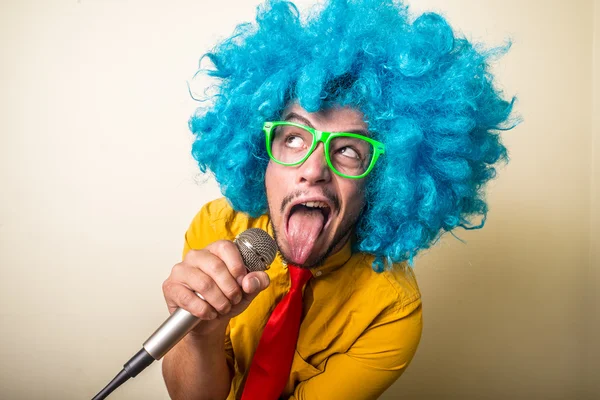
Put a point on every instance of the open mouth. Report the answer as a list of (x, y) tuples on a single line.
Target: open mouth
[(312, 207), (305, 223)]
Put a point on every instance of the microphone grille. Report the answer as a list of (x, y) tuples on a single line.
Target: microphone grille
[(257, 247)]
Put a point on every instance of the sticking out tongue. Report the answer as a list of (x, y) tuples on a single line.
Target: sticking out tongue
[(304, 226)]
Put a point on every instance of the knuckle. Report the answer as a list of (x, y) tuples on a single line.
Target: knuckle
[(213, 267), (171, 292), (186, 299), (238, 267), (192, 254), (204, 312), (177, 269), (224, 307), (166, 286), (225, 247), (233, 292), (222, 245), (203, 285)]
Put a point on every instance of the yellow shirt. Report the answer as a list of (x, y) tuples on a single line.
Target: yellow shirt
[(360, 329)]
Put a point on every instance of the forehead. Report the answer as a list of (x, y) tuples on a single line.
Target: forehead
[(329, 119)]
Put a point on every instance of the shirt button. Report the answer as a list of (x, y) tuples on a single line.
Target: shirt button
[(318, 273)]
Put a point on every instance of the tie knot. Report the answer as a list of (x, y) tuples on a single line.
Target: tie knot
[(298, 276)]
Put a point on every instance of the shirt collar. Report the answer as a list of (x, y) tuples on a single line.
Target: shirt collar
[(334, 261)]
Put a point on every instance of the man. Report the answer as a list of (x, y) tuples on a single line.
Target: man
[(377, 136)]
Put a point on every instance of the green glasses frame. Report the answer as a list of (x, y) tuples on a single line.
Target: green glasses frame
[(325, 138)]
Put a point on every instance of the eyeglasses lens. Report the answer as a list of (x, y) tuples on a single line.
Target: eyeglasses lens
[(348, 155)]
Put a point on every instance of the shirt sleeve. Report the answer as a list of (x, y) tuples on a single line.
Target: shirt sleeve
[(209, 225), (201, 231), (372, 364)]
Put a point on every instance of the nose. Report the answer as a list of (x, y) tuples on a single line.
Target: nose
[(315, 169)]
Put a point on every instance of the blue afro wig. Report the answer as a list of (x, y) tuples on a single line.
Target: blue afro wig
[(426, 94)]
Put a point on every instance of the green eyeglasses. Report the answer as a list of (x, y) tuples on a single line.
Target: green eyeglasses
[(348, 154)]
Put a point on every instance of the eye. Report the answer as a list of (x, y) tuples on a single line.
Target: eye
[(294, 141), (349, 152)]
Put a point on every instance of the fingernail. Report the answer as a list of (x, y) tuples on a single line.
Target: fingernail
[(237, 298), (254, 284)]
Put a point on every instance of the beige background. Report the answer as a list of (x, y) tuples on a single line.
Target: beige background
[(97, 188)]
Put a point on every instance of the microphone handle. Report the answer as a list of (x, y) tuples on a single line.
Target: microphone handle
[(170, 333)]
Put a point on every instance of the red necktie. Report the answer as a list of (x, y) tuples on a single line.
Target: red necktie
[(272, 361)]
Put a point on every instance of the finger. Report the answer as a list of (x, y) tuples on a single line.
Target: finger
[(223, 266), (231, 256), (255, 282), (204, 285), (168, 297), (178, 295), (196, 281)]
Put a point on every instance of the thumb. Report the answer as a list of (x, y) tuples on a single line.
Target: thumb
[(254, 283)]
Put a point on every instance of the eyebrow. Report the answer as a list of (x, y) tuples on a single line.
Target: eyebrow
[(293, 115)]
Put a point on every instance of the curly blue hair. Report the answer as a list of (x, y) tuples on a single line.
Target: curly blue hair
[(426, 94)]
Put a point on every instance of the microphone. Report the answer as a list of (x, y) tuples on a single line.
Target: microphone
[(258, 251)]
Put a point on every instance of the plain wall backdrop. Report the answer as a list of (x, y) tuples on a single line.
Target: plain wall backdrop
[(97, 187)]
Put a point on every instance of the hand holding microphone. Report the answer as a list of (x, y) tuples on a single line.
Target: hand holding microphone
[(213, 285), (209, 287)]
